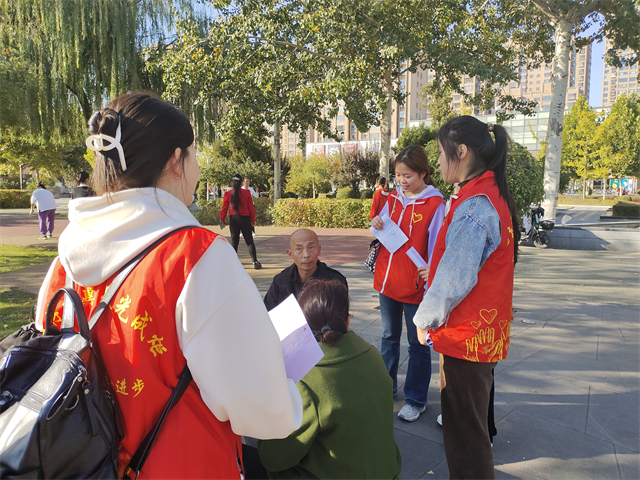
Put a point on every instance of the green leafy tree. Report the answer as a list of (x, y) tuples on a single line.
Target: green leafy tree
[(309, 176), (618, 138), (356, 168), (437, 98), (618, 20), (578, 142), (218, 164), (420, 135), (524, 177), (283, 62)]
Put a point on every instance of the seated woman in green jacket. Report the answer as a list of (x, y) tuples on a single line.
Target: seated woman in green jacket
[(347, 424)]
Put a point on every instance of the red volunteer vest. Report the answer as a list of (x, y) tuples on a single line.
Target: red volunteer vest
[(138, 343), (478, 328), (396, 276)]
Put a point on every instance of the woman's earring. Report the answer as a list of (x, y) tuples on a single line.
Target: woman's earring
[(176, 175)]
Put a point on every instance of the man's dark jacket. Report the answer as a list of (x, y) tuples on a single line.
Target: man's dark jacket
[(288, 281)]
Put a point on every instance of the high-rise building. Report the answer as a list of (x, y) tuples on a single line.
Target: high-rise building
[(532, 84), (616, 81)]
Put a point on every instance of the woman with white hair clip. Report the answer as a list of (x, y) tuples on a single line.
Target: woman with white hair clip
[(178, 307)]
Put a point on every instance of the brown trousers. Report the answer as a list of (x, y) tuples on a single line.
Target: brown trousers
[(465, 388)]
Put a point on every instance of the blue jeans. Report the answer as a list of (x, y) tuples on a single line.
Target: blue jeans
[(416, 386)]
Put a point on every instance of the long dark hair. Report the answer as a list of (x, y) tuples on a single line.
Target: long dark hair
[(382, 183), (236, 181), (325, 304), (488, 154), (416, 159), (151, 130)]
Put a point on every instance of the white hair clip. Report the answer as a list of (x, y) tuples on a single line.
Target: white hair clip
[(96, 143)]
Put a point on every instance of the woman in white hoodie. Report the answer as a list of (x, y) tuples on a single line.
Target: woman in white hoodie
[(179, 306)]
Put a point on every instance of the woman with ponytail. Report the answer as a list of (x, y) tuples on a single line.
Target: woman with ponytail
[(347, 423), (380, 197), (242, 217), (416, 206), (467, 310)]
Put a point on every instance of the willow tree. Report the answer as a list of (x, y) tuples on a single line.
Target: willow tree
[(619, 21), (63, 58)]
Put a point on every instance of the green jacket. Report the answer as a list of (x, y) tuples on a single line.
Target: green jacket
[(347, 424)]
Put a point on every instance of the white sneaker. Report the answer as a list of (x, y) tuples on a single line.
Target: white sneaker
[(439, 420), (410, 413)]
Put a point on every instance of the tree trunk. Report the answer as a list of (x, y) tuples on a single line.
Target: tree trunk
[(556, 117), (385, 126), (276, 160), (584, 188)]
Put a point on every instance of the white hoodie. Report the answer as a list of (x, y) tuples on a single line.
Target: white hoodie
[(223, 328)]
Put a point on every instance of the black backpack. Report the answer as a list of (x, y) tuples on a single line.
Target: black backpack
[(58, 415)]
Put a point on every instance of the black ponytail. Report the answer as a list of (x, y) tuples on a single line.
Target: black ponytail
[(489, 154), (236, 181)]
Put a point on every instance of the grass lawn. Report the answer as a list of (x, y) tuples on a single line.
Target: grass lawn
[(14, 257), (15, 309)]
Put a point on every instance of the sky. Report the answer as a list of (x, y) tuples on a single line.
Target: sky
[(597, 64)]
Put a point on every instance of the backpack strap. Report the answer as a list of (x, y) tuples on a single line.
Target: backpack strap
[(124, 273), (140, 457)]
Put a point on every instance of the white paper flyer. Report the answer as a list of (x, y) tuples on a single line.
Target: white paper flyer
[(300, 348)]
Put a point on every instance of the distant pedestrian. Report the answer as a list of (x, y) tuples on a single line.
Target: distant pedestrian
[(242, 216), (82, 188), (247, 186), (380, 197), (45, 202)]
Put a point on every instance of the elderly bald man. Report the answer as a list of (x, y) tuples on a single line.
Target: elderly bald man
[(304, 249)]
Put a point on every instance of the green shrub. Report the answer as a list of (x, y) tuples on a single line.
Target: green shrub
[(210, 213), (288, 195), (15, 199), (625, 198), (364, 194), (344, 192), (626, 209), (345, 213), (326, 195)]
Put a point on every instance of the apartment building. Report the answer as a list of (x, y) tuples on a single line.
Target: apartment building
[(532, 84), (616, 81)]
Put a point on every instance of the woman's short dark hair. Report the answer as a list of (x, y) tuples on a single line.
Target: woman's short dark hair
[(416, 159), (325, 303), (82, 177), (381, 181), (151, 130)]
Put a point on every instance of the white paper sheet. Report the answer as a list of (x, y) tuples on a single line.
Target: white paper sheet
[(416, 258), (300, 348), (390, 236)]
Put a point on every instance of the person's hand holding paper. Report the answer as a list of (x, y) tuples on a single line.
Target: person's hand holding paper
[(390, 235)]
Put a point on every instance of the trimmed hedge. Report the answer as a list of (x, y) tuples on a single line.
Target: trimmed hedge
[(321, 213), (15, 199), (626, 209), (210, 213)]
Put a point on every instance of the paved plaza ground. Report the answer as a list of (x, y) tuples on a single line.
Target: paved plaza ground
[(567, 397)]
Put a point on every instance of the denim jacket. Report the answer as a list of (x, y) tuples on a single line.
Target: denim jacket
[(473, 235)]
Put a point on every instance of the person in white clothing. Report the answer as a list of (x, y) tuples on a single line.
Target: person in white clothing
[(247, 186), (45, 202), (190, 300)]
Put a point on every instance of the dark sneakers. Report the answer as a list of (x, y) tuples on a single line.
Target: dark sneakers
[(257, 265)]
